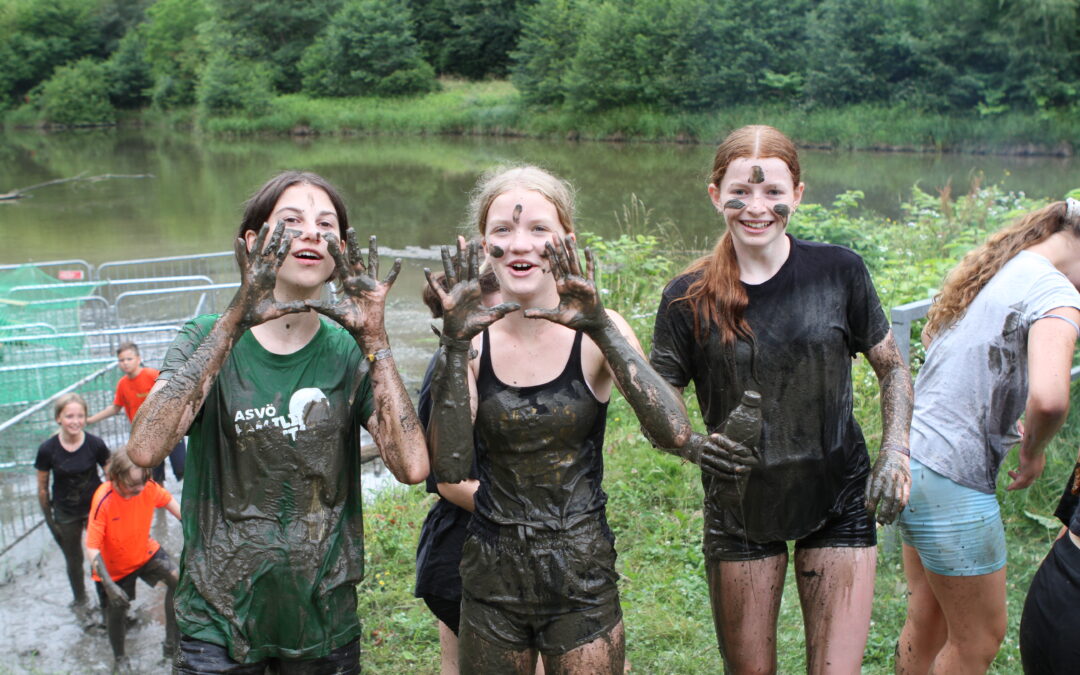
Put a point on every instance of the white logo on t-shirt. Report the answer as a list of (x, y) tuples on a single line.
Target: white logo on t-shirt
[(306, 407)]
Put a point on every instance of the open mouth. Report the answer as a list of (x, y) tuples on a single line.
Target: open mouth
[(521, 266), (307, 255), (755, 225)]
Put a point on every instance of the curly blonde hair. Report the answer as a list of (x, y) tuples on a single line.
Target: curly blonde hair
[(976, 269)]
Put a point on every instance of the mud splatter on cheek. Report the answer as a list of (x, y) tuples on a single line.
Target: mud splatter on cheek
[(496, 251), (782, 210), (735, 204), (517, 213), (756, 174)]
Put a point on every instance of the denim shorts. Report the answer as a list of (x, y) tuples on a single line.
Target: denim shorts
[(956, 530)]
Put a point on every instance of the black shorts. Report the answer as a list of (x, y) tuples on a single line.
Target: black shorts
[(197, 657), (852, 527), (540, 589), (447, 611)]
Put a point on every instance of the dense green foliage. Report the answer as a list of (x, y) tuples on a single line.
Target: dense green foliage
[(977, 59), (655, 500)]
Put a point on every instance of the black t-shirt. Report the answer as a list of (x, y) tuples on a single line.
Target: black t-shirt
[(809, 320), (75, 474)]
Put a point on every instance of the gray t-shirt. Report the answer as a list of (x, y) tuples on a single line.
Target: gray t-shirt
[(973, 387)]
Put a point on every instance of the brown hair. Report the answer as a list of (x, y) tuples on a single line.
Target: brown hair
[(503, 179), (261, 204), (119, 464), (716, 297), (976, 269), (127, 347), (63, 402)]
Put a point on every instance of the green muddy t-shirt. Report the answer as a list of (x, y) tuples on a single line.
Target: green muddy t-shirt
[(273, 529)]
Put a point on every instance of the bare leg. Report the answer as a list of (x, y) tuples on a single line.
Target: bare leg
[(605, 654), (480, 657), (836, 590), (745, 600), (924, 631), (448, 644), (974, 609)]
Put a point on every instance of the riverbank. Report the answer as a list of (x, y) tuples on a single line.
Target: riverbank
[(495, 108)]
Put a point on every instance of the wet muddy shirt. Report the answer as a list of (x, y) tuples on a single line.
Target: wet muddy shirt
[(973, 386), (74, 474), (539, 448), (809, 320), (273, 529)]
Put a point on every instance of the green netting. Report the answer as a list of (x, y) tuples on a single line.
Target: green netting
[(33, 304)]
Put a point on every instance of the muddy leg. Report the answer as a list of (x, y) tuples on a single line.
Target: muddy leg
[(605, 654), (974, 609), (924, 630), (480, 657), (116, 623), (836, 590), (745, 600), (71, 545), (162, 569)]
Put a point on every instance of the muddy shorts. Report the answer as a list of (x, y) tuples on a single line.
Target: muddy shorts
[(539, 589), (852, 527), (205, 658), (956, 530)]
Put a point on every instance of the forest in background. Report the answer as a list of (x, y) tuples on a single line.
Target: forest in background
[(79, 62)]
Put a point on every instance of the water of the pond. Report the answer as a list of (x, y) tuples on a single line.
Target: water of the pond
[(407, 191)]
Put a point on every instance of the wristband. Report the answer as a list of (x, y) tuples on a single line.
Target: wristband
[(896, 447), (379, 355)]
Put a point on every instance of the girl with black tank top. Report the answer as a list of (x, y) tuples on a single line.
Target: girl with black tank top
[(538, 566)]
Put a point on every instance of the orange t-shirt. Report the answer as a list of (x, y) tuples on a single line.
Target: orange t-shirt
[(120, 528), (132, 391)]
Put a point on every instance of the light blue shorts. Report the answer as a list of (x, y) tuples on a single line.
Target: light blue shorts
[(956, 530)]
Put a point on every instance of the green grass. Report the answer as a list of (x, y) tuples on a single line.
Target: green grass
[(655, 511)]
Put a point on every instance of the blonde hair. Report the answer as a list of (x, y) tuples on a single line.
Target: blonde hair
[(498, 180), (120, 464), (63, 402), (976, 269)]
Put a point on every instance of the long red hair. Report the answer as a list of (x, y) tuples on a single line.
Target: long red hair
[(716, 296)]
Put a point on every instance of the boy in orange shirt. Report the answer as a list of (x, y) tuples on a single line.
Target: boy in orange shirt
[(131, 391), (119, 545)]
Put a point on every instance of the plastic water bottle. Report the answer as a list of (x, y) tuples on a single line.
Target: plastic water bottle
[(743, 424)]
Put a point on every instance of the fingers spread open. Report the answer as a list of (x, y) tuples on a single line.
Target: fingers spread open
[(394, 271), (590, 264), (573, 265), (241, 252), (499, 311), (260, 238), (553, 261), (474, 260), (275, 239), (352, 248), (540, 313), (448, 266)]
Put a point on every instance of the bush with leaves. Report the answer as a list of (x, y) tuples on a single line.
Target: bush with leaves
[(230, 86), (368, 50), (76, 95)]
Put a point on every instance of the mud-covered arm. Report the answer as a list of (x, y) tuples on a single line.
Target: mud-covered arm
[(117, 596), (46, 504), (173, 403), (1051, 342), (889, 485)]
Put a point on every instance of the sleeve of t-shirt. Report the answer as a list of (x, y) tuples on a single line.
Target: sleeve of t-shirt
[(44, 458), (673, 339), (160, 495), (866, 319), (101, 452), (95, 528), (1052, 290)]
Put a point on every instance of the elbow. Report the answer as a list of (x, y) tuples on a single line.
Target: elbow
[(138, 454), (1049, 407), (673, 435)]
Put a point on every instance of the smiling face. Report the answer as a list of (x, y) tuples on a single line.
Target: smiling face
[(756, 197), (72, 418), (308, 213), (519, 223)]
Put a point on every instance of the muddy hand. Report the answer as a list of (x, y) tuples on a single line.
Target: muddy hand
[(362, 305), (723, 457), (464, 313), (117, 597), (579, 307), (258, 270), (889, 484)]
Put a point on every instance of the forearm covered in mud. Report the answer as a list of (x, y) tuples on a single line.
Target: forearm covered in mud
[(450, 430), (897, 394), (657, 405), (393, 425), (172, 405)]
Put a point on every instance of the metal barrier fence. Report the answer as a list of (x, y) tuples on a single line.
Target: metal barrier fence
[(220, 266)]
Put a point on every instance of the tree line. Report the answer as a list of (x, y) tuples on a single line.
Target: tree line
[(78, 61)]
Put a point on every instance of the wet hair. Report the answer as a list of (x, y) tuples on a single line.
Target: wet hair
[(976, 269), (63, 402), (489, 283), (127, 347), (503, 179), (120, 464), (716, 297), (258, 208)]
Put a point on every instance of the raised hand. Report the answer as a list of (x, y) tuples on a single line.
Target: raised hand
[(258, 270), (579, 306), (464, 313), (889, 484), (363, 300)]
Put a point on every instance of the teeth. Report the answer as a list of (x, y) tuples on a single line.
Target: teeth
[(308, 255)]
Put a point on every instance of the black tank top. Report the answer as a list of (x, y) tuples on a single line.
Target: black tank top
[(539, 448)]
